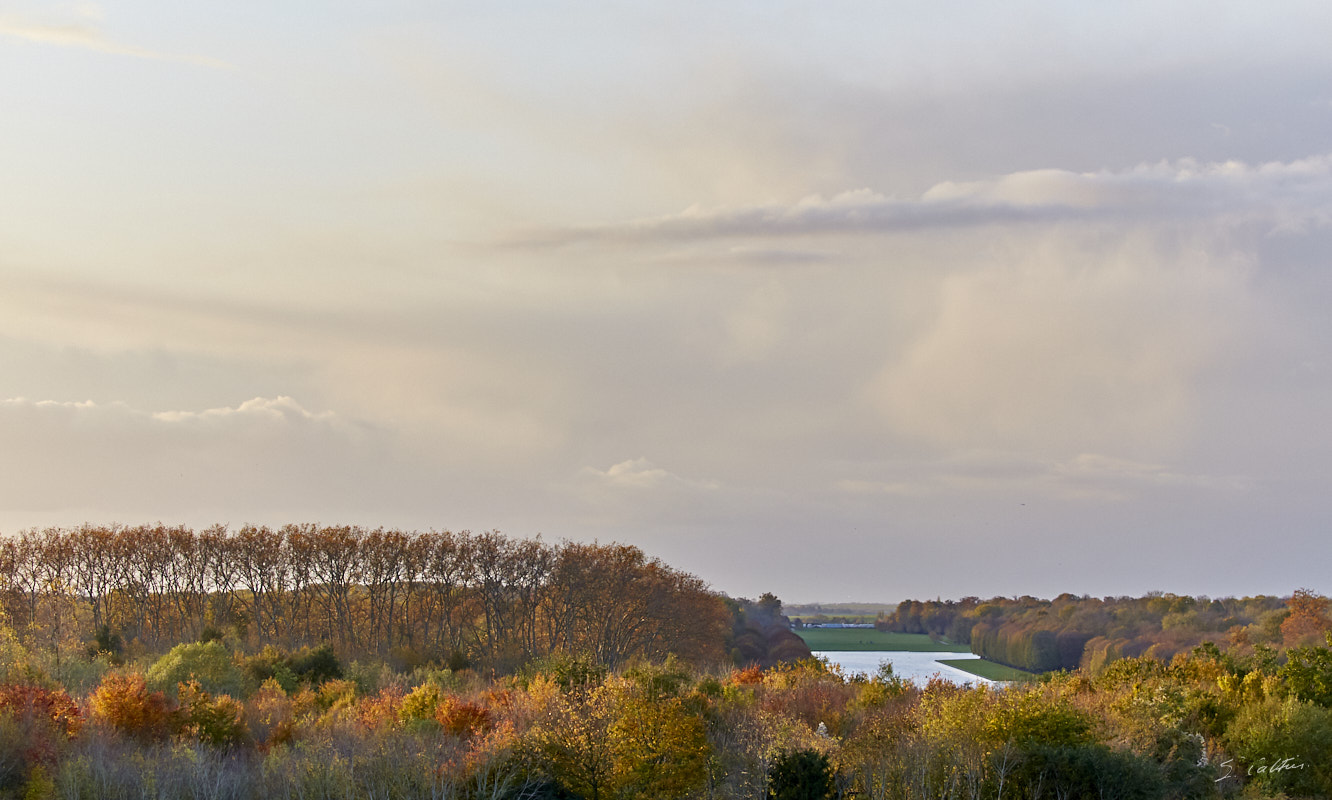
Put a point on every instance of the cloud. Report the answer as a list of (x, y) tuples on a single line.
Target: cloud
[(1284, 195), (277, 409), (1068, 344), (1093, 477), (639, 473), (261, 454), (86, 35)]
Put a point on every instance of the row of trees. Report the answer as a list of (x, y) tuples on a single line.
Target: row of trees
[(1071, 631), (418, 596)]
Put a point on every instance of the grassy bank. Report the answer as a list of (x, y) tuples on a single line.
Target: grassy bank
[(870, 639), (989, 669)]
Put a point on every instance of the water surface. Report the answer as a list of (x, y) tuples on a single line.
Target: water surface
[(914, 666)]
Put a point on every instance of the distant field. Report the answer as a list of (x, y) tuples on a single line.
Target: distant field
[(988, 669), (870, 639), (869, 610)]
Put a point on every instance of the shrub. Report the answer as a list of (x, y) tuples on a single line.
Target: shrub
[(124, 703), (801, 775), (420, 704), (316, 665), (51, 706), (35, 725), (1282, 746), (209, 663), (461, 718), (107, 641), (269, 715), (219, 721), (337, 695), (270, 664)]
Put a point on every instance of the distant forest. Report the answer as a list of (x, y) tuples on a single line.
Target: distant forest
[(1069, 631)]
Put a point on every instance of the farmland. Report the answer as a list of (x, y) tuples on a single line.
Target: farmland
[(870, 639)]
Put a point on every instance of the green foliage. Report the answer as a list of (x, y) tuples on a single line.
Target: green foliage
[(801, 775), (419, 706), (1027, 718), (217, 721), (1282, 746), (208, 663), (570, 672), (270, 663), (105, 641), (1308, 673), (657, 681), (1090, 771), (315, 665)]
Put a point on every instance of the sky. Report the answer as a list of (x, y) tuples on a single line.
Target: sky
[(842, 301)]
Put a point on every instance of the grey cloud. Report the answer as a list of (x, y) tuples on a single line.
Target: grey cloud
[(1285, 196)]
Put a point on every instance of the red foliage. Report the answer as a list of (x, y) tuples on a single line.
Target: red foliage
[(747, 675), (46, 719)]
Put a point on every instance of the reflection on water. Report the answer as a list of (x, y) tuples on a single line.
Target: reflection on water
[(915, 667)]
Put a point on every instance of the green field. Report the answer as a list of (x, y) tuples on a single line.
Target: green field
[(988, 669), (870, 639)]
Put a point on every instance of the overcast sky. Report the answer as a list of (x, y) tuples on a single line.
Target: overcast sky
[(843, 301)]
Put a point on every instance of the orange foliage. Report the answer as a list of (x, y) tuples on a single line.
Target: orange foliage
[(124, 703), (1308, 619), (461, 718)]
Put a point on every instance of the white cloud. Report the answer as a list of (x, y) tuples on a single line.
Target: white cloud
[(277, 409), (262, 454), (639, 473), (1069, 344)]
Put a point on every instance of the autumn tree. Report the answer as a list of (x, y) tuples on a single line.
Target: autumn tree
[(1308, 619)]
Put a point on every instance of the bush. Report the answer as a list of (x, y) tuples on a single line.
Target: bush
[(801, 775), (124, 703), (269, 715), (106, 641), (208, 663), (337, 694), (316, 665), (461, 718), (35, 725), (421, 704), (270, 664), (1282, 746), (218, 721)]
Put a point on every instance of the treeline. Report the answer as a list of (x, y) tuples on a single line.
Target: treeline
[(1071, 631), (412, 597)]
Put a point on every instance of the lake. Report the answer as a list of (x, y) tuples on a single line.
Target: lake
[(917, 667)]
